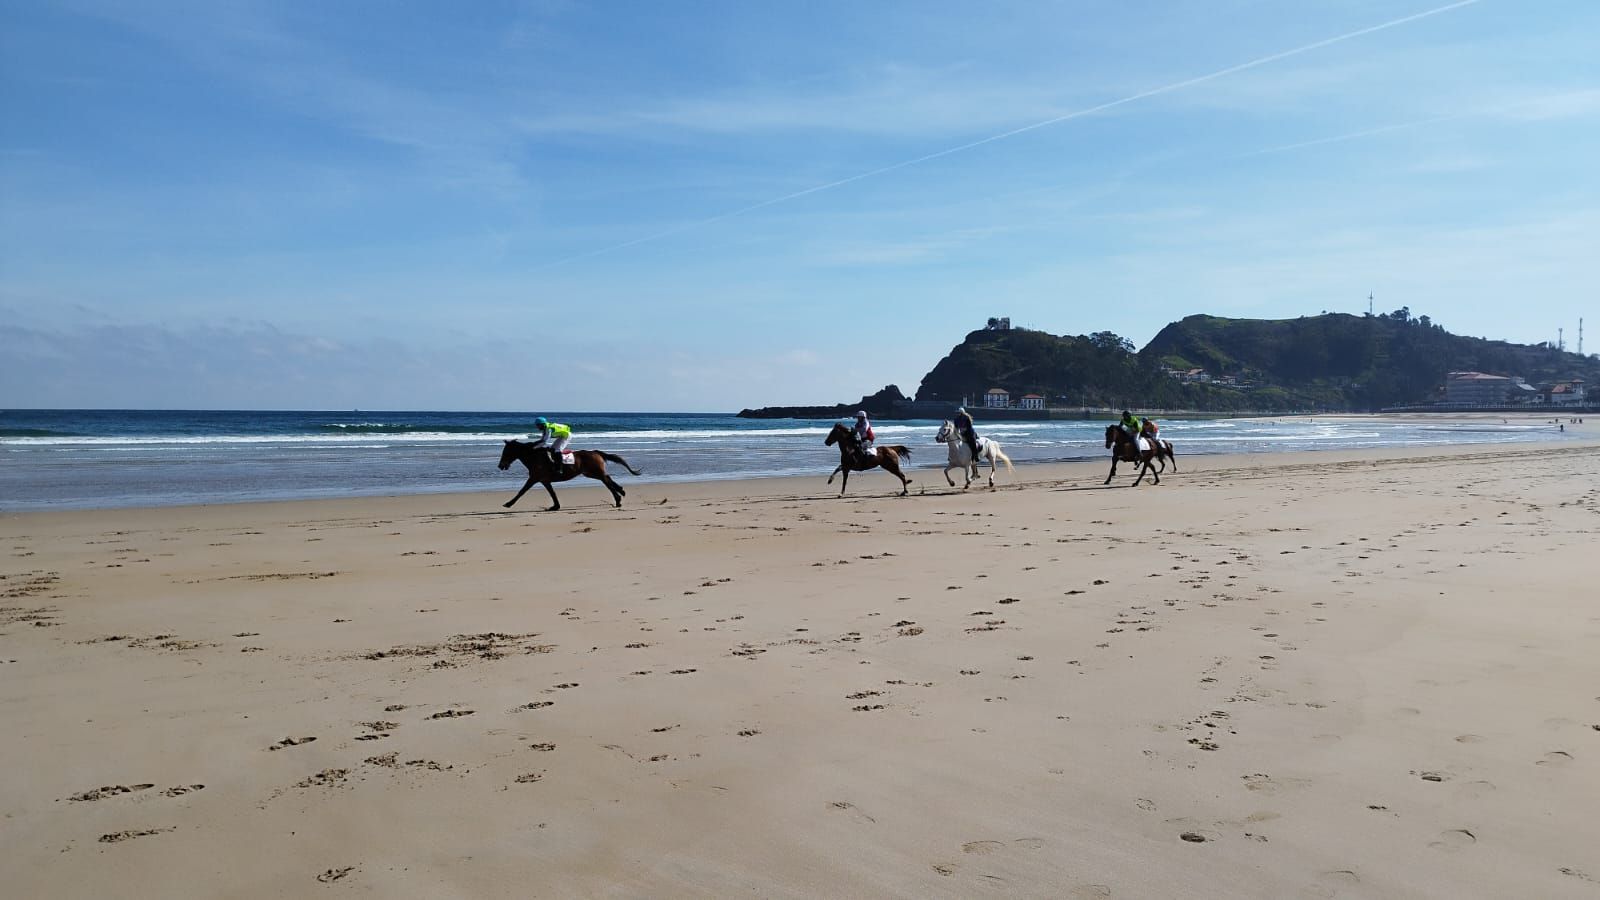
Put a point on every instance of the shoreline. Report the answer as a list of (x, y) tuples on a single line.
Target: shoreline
[(875, 484), (188, 465)]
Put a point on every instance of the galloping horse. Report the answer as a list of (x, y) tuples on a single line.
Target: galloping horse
[(588, 463), (1126, 449), (961, 455), (850, 458)]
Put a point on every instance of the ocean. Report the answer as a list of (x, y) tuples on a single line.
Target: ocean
[(78, 459)]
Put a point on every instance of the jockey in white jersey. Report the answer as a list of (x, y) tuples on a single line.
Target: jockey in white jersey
[(863, 435)]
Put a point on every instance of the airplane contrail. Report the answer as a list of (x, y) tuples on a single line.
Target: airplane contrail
[(1055, 120), (1497, 109), (1355, 135)]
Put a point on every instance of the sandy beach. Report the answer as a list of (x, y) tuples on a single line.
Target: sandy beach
[(1362, 674)]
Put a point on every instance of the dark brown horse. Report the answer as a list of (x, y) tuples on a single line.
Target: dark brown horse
[(851, 459), (1125, 449), (542, 469)]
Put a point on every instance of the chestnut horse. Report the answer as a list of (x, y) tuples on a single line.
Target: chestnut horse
[(851, 459), (1126, 449), (588, 463)]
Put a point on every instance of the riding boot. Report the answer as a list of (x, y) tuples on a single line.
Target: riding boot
[(555, 457)]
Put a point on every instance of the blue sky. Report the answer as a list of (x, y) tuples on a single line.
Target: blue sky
[(552, 205)]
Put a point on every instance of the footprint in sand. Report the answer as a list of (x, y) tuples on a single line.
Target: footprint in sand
[(1468, 738), (1474, 790), (847, 806), (291, 742), (1089, 892), (1555, 759), (1334, 883), (1453, 840), (109, 791), (120, 836), (982, 847)]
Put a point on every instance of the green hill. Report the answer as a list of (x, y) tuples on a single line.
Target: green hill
[(1339, 361), (1327, 362), (1100, 369)]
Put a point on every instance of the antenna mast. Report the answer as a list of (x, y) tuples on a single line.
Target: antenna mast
[(1369, 303)]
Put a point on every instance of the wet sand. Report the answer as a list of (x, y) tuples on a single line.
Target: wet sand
[(1309, 675)]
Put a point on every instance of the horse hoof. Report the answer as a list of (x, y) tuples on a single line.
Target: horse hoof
[(506, 505)]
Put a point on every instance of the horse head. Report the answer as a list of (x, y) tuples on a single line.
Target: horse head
[(1112, 431), (508, 455), (839, 433), (945, 431)]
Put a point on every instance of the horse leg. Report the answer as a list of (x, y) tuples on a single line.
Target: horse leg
[(617, 493), (1173, 457), (893, 467), (947, 468), (844, 482), (1113, 469), (993, 464), (837, 469), (513, 501), (557, 503)]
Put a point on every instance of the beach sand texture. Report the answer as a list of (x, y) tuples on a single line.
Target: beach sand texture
[(1320, 675)]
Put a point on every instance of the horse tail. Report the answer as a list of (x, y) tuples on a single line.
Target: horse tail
[(995, 449), (901, 450), (612, 457)]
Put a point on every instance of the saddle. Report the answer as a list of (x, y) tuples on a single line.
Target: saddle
[(567, 458)]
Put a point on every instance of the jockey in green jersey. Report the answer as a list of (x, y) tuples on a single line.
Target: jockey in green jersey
[(552, 434), (1135, 427), (1131, 424)]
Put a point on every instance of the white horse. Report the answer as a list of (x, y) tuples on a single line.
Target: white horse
[(961, 456)]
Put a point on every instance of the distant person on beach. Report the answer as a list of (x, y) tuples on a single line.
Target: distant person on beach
[(864, 435), (963, 423), (556, 434)]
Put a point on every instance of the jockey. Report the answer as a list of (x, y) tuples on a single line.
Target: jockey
[(1131, 425), (863, 435), (965, 429), (1151, 430), (557, 434)]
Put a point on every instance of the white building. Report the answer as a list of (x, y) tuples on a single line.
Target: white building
[(1032, 401), (997, 398), (1477, 389), (1567, 393)]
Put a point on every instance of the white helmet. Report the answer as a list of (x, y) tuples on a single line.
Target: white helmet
[(861, 414)]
